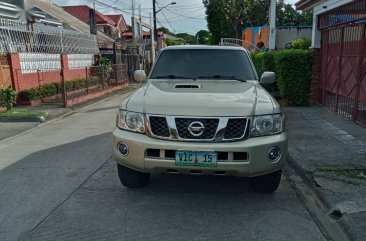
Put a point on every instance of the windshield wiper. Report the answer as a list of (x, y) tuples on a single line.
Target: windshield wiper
[(173, 76), (217, 76)]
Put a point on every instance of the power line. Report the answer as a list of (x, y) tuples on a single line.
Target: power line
[(165, 17), (108, 7), (185, 15), (115, 8), (181, 15)]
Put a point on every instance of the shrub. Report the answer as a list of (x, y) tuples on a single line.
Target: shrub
[(94, 80), (265, 62), (258, 62), (7, 98), (294, 69), (54, 88), (301, 43), (49, 89), (30, 94)]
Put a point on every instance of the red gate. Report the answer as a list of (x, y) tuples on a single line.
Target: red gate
[(343, 63)]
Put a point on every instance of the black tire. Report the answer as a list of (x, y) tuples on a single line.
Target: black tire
[(267, 183), (131, 178)]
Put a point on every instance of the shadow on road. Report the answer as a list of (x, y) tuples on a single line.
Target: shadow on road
[(31, 188)]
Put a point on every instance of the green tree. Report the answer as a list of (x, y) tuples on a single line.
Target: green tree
[(165, 30), (204, 37), (172, 42), (188, 38)]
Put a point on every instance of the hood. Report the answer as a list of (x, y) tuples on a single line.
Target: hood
[(201, 98)]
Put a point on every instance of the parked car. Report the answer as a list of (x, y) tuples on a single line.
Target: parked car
[(201, 111)]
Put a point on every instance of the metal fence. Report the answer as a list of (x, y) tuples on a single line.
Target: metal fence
[(239, 43), (17, 36), (342, 88), (58, 87)]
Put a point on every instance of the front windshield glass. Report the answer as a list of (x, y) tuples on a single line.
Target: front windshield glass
[(204, 64)]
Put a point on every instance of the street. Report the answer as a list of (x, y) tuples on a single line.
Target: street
[(59, 182)]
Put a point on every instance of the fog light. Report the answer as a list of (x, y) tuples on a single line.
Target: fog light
[(274, 154), (123, 149)]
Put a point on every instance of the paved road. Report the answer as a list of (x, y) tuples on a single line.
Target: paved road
[(58, 182)]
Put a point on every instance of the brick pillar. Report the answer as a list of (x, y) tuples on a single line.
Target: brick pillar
[(15, 70), (315, 88)]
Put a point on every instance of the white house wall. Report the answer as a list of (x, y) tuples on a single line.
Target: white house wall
[(287, 35)]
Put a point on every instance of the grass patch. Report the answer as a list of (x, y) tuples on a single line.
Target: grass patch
[(353, 173), (22, 113)]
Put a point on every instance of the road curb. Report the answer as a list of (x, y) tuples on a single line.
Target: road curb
[(39, 119), (317, 207)]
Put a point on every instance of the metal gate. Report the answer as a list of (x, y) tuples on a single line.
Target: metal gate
[(343, 63), (5, 77)]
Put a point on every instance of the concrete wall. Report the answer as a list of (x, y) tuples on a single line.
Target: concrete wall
[(262, 36), (80, 60), (286, 35), (32, 62), (25, 79), (247, 37)]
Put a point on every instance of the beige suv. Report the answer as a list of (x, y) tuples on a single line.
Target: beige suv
[(201, 112)]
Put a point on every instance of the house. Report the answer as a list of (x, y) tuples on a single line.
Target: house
[(257, 37), (111, 25), (67, 20), (339, 37)]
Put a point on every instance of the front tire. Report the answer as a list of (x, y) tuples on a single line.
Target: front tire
[(131, 178), (267, 183)]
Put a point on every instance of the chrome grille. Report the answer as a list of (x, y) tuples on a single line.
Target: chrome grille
[(210, 128), (235, 128), (159, 126), (215, 129)]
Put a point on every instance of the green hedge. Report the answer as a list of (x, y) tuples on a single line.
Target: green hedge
[(293, 69), (54, 88), (265, 62)]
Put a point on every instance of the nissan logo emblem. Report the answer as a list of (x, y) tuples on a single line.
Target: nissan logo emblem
[(196, 128)]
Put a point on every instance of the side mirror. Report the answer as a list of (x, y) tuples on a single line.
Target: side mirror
[(268, 78), (139, 75)]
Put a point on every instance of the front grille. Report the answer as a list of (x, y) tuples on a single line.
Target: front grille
[(209, 132), (217, 129), (235, 128), (159, 126)]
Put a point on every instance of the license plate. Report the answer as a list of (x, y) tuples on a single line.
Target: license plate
[(196, 158)]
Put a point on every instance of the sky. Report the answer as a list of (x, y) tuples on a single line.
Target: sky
[(185, 16)]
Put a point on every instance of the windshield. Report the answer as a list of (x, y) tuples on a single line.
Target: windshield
[(203, 63)]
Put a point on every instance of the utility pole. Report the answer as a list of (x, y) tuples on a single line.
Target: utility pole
[(92, 21), (152, 38), (154, 19), (272, 25)]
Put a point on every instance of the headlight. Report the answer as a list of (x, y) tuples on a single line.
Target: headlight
[(131, 121), (267, 125)]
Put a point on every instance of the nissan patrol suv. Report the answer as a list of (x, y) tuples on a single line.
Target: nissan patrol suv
[(202, 111)]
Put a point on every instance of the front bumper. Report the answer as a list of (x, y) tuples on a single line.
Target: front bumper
[(255, 164)]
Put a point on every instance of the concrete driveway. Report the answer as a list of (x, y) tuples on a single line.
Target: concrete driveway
[(58, 182)]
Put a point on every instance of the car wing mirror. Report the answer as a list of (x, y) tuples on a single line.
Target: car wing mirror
[(268, 78), (139, 75)]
